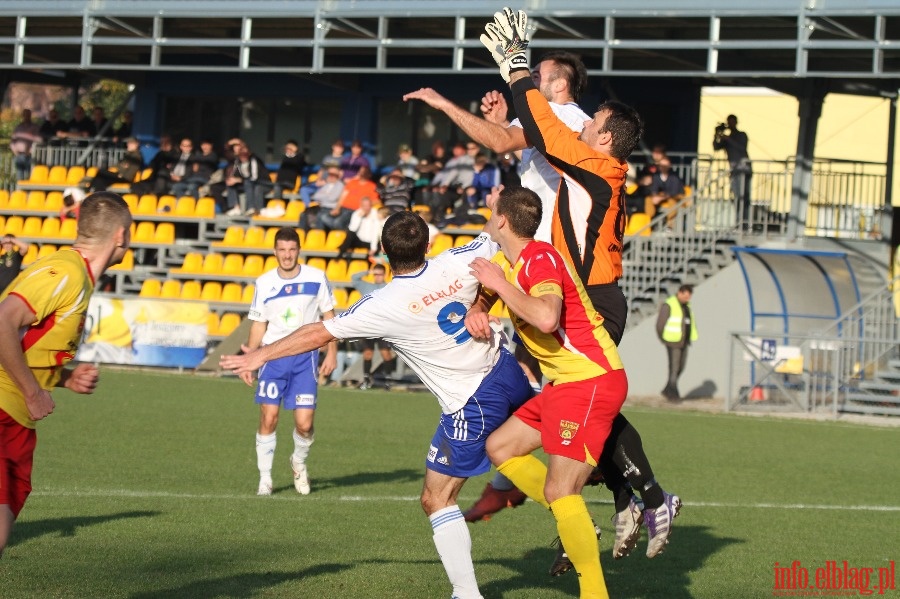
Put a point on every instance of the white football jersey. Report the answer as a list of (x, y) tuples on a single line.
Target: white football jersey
[(537, 174), (422, 314), (288, 304)]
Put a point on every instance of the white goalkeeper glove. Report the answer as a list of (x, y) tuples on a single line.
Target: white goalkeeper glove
[(506, 37)]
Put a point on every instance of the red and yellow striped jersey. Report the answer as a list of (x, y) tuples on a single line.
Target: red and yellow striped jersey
[(58, 289), (580, 348)]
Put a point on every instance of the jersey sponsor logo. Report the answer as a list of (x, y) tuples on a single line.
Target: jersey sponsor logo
[(567, 430), (614, 248), (63, 357), (440, 294), (432, 453)]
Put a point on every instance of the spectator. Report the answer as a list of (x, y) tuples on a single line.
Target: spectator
[(79, 127), (396, 191), (355, 189), (636, 201), (182, 169), (429, 167), (447, 185), (247, 171), (12, 251), (324, 199), (203, 165), (23, 136), (123, 131), (290, 169), (363, 230), (666, 190), (377, 273), (50, 126), (485, 177), (160, 168), (332, 160), (126, 170), (508, 167), (677, 329), (354, 161), (735, 145), (100, 122), (657, 154), (407, 162)]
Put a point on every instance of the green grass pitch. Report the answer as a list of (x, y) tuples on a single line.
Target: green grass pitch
[(147, 490)]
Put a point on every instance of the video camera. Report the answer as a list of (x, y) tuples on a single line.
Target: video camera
[(721, 128)]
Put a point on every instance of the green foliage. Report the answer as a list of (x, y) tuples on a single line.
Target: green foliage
[(146, 490)]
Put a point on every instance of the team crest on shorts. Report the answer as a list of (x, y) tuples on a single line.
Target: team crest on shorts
[(567, 430)]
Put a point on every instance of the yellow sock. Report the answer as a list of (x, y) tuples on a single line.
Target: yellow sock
[(576, 532), (528, 474)]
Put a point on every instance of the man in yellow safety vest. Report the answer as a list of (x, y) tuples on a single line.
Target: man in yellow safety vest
[(677, 330)]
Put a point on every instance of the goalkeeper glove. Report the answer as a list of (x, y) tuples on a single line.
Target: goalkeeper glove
[(506, 37)]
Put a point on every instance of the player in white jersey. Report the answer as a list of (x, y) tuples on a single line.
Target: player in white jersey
[(286, 298), (478, 384)]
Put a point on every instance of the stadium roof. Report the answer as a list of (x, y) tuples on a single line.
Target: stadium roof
[(853, 43)]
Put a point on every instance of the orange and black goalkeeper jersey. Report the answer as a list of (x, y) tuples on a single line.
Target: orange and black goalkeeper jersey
[(589, 217)]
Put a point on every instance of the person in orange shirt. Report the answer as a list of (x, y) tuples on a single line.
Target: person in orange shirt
[(41, 323), (355, 189)]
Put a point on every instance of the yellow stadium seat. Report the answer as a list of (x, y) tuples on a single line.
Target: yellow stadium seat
[(185, 206), (637, 223), (205, 208), (485, 212), (164, 234), (144, 232), (231, 293), (46, 250), (441, 242), (317, 263), (54, 201), (335, 238), (293, 211), (146, 204), (4, 198), (315, 240), (36, 200), (193, 262), (271, 263), (269, 240), (171, 289), (356, 266), (39, 174), (127, 262), (131, 199), (233, 265), (212, 264), (461, 240), (14, 225), (212, 291), (190, 290), (150, 288), (276, 204), (32, 227), (337, 271), (74, 175), (68, 229), (228, 323), (18, 199), (353, 297), (30, 255), (234, 236), (247, 293), (340, 298), (50, 227), (253, 265), (254, 237), (212, 324), (57, 176), (166, 203)]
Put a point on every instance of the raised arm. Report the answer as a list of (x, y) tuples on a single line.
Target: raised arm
[(306, 338)]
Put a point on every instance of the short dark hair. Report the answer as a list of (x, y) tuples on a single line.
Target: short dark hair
[(522, 209), (626, 127), (688, 288), (570, 67), (405, 240), (379, 268), (287, 234)]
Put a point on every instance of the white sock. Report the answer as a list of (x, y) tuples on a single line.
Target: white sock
[(301, 446), (454, 545), (265, 454), (501, 483)]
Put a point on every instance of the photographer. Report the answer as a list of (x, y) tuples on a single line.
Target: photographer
[(734, 142)]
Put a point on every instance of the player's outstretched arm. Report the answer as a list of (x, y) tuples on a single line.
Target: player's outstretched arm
[(306, 338)]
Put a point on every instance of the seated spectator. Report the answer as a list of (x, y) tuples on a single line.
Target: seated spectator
[(407, 163), (324, 200), (123, 131), (427, 168), (332, 160), (246, 172), (447, 185), (100, 122), (128, 167), (202, 167), (666, 190), (182, 169), (12, 251), (364, 230), (636, 200), (290, 169), (50, 126), (377, 273), (351, 163), (79, 128), (355, 189), (485, 177), (160, 169), (396, 191), (508, 166)]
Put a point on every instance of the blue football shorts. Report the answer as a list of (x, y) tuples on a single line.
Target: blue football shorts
[(292, 380), (458, 446)]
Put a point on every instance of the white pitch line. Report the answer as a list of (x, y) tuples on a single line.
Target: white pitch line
[(288, 495)]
